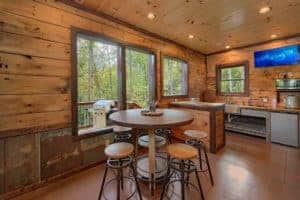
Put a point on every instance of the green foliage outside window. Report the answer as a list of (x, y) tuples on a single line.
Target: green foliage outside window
[(233, 80), (138, 65), (97, 71), (175, 77), (96, 75)]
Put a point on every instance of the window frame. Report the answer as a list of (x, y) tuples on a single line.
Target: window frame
[(162, 76), (219, 68), (75, 32)]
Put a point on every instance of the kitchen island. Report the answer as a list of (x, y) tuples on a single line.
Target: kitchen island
[(208, 117)]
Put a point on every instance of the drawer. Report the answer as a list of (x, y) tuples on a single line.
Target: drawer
[(254, 113)]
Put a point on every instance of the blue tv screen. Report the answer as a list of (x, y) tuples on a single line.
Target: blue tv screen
[(287, 55)]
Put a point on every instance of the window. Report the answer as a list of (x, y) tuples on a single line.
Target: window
[(95, 78), (101, 68), (232, 79), (175, 77), (140, 73)]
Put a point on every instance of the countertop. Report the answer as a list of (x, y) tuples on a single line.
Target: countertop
[(218, 106), (198, 105), (273, 109)]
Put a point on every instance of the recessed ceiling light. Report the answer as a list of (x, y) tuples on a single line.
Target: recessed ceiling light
[(228, 47), (191, 36), (264, 10), (151, 16), (273, 36)]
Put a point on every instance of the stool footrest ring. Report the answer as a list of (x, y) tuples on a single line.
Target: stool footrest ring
[(119, 163), (131, 179)]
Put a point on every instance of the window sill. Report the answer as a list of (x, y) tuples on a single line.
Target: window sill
[(234, 94), (175, 96), (93, 132)]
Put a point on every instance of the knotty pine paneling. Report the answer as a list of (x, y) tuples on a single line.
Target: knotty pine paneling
[(220, 128), (261, 80), (13, 23), (25, 104), (26, 45), (214, 23), (34, 121), (201, 122), (23, 84), (59, 14), (35, 47), (29, 65)]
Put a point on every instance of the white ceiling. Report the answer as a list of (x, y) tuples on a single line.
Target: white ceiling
[(214, 23)]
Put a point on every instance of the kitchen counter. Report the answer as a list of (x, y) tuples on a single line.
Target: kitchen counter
[(273, 109), (269, 122), (198, 105), (208, 117)]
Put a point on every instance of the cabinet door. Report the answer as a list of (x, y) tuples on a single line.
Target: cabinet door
[(284, 129)]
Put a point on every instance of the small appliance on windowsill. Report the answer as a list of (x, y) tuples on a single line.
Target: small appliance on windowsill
[(99, 111)]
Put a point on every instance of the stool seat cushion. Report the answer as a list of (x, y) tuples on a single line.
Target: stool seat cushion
[(159, 141), (119, 150), (195, 134), (182, 151), (121, 129)]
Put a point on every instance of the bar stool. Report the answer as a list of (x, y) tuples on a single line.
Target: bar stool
[(119, 157), (122, 134), (143, 141), (195, 138), (164, 132), (180, 160)]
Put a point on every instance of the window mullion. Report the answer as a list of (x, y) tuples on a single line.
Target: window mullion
[(89, 68)]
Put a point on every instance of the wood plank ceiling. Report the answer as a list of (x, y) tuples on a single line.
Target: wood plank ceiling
[(214, 23)]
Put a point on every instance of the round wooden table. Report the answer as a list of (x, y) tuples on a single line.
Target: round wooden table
[(134, 119)]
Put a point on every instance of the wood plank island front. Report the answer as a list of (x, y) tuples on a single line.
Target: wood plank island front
[(208, 117)]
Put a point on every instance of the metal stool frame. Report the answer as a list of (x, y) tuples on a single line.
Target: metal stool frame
[(201, 146), (183, 167), (123, 137), (119, 165)]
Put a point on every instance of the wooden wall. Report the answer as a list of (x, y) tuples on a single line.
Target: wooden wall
[(35, 98), (261, 80)]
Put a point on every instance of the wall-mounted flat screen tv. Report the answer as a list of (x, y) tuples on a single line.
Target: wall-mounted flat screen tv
[(287, 55)]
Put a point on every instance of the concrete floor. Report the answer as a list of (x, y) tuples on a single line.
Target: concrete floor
[(246, 169)]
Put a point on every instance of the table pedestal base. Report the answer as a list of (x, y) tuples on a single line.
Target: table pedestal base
[(160, 168)]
